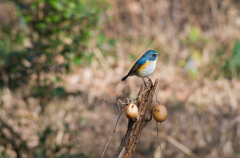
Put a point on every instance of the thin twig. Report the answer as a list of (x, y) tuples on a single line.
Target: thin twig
[(134, 100), (114, 131), (156, 97), (177, 144), (107, 144), (142, 93), (159, 142)]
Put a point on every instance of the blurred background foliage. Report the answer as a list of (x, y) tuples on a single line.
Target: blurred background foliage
[(61, 63), (39, 41), (45, 37)]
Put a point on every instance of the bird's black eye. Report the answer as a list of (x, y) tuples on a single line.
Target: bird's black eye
[(154, 55)]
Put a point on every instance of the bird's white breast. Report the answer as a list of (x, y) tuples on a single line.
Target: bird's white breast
[(148, 70)]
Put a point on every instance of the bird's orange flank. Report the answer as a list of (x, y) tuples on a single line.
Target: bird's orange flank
[(142, 67)]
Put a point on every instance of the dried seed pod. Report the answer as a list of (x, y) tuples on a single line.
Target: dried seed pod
[(159, 113), (131, 111)]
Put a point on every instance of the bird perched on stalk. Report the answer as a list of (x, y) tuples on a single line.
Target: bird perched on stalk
[(145, 66)]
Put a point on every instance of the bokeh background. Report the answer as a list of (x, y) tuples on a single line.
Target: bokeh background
[(62, 61)]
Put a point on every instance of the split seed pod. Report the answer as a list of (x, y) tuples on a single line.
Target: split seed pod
[(131, 111), (159, 113)]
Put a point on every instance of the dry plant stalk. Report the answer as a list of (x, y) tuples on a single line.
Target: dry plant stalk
[(135, 127)]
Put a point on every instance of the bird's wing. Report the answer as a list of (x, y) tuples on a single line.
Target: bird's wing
[(137, 65)]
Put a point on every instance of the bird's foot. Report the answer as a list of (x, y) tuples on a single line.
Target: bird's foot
[(145, 83), (150, 79)]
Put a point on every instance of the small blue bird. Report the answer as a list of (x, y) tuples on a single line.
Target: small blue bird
[(144, 66)]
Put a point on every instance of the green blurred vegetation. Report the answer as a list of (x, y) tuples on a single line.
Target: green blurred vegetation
[(195, 41), (226, 62), (44, 41), (57, 33)]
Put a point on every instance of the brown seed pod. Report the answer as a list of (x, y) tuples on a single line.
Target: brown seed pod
[(131, 111), (159, 113)]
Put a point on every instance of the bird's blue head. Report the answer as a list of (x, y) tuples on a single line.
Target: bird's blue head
[(150, 55)]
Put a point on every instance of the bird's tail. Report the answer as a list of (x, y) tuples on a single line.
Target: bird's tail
[(124, 78)]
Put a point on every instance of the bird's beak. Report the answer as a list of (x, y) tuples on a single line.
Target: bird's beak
[(158, 54)]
